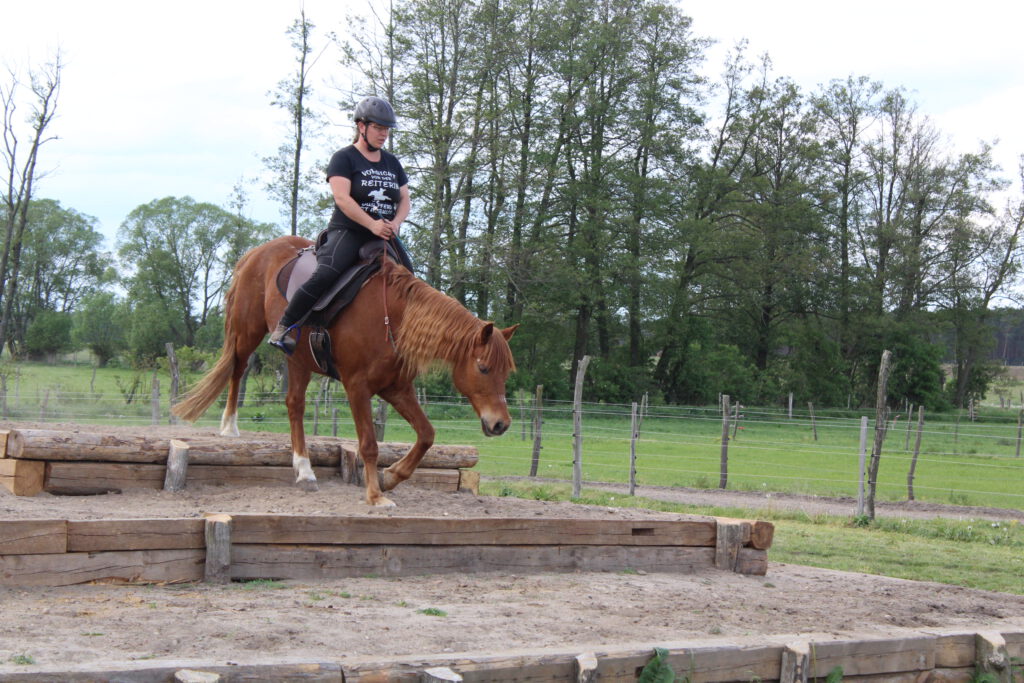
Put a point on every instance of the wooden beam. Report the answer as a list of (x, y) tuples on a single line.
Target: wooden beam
[(756, 533), (134, 534), (22, 477), (335, 562), (728, 541), (4, 435), (68, 569), (870, 658), (84, 478), (33, 536), (258, 449), (217, 568), (300, 529)]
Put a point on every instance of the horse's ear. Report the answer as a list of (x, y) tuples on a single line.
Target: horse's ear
[(486, 332), (509, 331)]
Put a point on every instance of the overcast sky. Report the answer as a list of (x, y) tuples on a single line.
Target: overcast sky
[(164, 99)]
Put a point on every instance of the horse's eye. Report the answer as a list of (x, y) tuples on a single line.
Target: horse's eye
[(482, 368)]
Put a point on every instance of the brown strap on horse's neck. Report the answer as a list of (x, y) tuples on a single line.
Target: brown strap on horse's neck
[(388, 334)]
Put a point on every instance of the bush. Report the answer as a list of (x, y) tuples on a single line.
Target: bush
[(48, 335)]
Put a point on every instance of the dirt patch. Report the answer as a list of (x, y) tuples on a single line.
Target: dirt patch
[(94, 625)]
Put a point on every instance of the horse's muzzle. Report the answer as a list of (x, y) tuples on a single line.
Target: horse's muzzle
[(497, 429)]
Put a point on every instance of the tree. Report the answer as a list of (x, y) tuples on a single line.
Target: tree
[(48, 335), (291, 181), (100, 325), (182, 254), (20, 172)]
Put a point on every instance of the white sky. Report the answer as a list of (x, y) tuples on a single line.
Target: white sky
[(167, 99)]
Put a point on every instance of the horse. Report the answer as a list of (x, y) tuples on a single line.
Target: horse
[(395, 328)]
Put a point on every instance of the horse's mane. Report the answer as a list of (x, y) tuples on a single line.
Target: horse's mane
[(438, 329)]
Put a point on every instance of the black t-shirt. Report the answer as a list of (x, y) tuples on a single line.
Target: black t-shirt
[(375, 186)]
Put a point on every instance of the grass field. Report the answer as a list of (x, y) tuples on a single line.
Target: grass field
[(960, 462)]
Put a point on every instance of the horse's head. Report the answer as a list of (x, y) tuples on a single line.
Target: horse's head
[(480, 375)]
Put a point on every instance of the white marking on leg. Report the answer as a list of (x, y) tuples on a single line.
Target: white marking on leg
[(303, 470), (229, 424)]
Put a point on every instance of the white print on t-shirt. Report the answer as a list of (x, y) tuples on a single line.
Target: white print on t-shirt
[(373, 177), (378, 196)]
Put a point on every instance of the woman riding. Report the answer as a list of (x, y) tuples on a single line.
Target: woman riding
[(371, 199)]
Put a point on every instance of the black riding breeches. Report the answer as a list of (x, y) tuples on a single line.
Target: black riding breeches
[(338, 252)]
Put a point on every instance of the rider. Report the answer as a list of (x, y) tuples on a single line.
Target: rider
[(371, 199)]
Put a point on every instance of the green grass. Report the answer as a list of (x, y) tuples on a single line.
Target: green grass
[(972, 553), (960, 462)]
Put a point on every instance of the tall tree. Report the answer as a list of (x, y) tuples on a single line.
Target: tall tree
[(20, 172), (292, 178), (182, 254)]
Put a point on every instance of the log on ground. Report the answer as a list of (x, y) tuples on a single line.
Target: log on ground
[(249, 449)]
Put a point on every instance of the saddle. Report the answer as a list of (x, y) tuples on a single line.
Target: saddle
[(294, 274)]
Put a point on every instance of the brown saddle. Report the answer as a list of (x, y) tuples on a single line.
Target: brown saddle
[(294, 273)]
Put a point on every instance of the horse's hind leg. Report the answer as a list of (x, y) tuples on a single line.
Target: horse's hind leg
[(298, 380), (245, 345), (403, 400)]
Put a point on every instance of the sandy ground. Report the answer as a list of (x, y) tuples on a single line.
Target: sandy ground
[(96, 625)]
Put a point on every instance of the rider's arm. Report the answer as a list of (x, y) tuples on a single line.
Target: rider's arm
[(402, 210), (341, 188)]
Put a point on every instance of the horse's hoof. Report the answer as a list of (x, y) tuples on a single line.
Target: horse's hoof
[(383, 502), (388, 480), (308, 485)]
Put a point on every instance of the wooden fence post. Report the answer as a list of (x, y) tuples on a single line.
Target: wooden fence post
[(537, 421), (380, 419), (917, 449), (577, 428), (814, 426), (723, 475), (910, 411), (635, 432), (1020, 422), (881, 414), (172, 396), (156, 399), (863, 455)]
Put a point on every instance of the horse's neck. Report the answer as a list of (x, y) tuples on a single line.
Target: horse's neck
[(434, 328)]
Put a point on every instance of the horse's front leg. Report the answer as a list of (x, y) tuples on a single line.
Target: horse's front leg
[(298, 380), (362, 416), (403, 400)]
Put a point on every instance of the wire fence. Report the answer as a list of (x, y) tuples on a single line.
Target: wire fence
[(959, 461)]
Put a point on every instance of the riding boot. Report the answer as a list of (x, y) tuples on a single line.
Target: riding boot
[(279, 339)]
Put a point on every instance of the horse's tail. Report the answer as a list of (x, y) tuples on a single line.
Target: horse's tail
[(199, 397)]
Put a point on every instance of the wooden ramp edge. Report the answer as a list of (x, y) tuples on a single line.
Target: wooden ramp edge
[(224, 547), (934, 655)]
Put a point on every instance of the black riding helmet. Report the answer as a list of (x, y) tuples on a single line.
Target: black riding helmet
[(376, 110)]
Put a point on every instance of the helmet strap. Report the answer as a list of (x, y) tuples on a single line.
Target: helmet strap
[(365, 140)]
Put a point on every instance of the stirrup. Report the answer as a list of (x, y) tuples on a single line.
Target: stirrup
[(286, 343)]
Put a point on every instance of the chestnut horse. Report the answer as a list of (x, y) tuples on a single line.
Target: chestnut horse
[(395, 328)]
